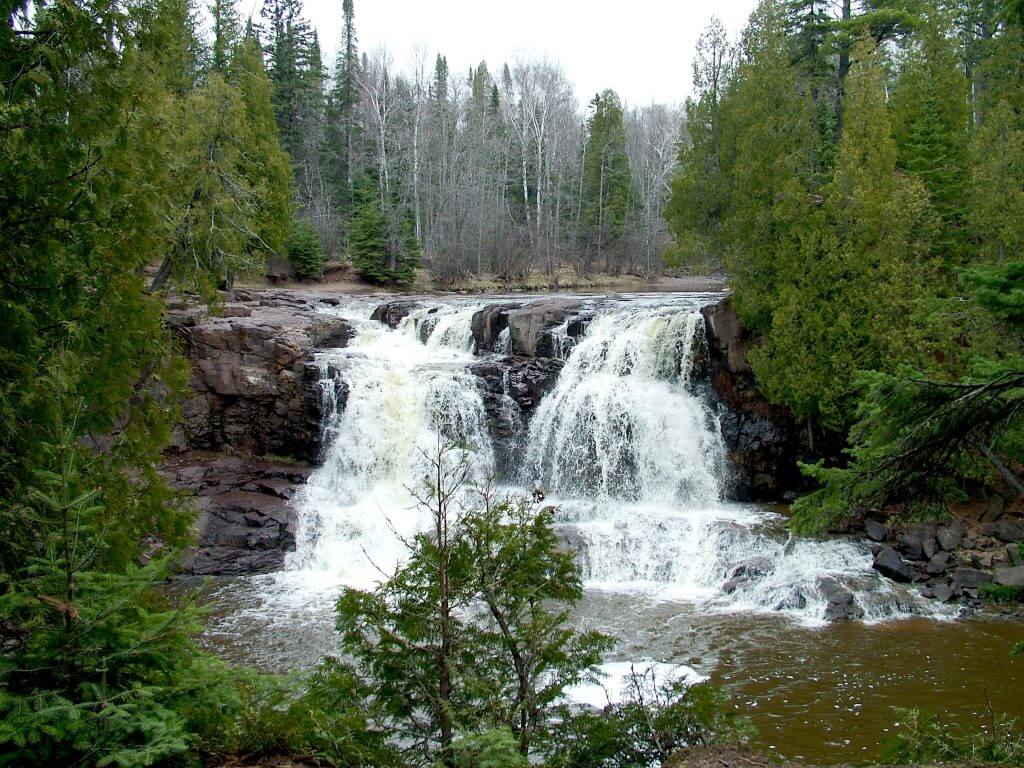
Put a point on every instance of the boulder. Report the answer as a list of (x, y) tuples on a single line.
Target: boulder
[(732, 584), (511, 389), (392, 313), (943, 593), (839, 601), (1010, 577), (527, 323), (488, 323), (876, 530), (889, 563), (970, 578), (951, 535), (727, 335), (994, 510), (764, 441), (938, 564), (1009, 531), (754, 568)]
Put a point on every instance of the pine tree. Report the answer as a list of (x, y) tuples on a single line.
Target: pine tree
[(441, 668)]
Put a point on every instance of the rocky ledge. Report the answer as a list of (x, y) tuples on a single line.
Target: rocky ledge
[(254, 386), (764, 441), (256, 392), (246, 523)]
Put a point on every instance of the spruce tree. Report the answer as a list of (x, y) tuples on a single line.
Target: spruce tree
[(227, 32)]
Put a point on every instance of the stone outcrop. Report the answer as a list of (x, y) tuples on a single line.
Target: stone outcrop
[(392, 313), (254, 385), (488, 325), (528, 323), (245, 523), (763, 440)]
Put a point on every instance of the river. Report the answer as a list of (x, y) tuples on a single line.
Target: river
[(629, 452)]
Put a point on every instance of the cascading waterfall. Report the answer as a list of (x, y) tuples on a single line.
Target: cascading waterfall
[(634, 461), (404, 397), (628, 452), (621, 423)]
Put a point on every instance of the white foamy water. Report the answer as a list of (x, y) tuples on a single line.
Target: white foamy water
[(628, 451), (619, 680), (405, 397)]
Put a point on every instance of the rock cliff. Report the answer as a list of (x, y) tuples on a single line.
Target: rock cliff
[(763, 440)]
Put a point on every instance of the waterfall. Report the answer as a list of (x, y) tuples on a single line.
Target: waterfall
[(621, 422), (628, 451), (408, 389)]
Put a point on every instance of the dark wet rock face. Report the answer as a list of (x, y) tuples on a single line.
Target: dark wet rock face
[(763, 440), (512, 388), (527, 324), (245, 523), (889, 563), (255, 384), (840, 603), (488, 324)]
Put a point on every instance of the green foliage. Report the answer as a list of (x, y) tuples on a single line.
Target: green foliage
[(924, 738), (490, 749), (998, 593), (606, 179), (305, 253), (851, 307), (381, 253), (115, 152), (654, 720), (470, 634)]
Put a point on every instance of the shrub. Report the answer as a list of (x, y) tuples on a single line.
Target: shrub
[(922, 737)]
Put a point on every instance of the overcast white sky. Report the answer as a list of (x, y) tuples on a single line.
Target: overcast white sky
[(641, 48)]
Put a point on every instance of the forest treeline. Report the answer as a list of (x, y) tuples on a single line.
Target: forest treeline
[(858, 170), (485, 172)]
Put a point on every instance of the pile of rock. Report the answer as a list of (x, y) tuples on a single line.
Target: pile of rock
[(949, 560)]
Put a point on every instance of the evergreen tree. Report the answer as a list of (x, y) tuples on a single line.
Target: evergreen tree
[(930, 126), (606, 177), (342, 121), (768, 150), (853, 306), (227, 178), (439, 666), (92, 661), (368, 244), (227, 32)]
